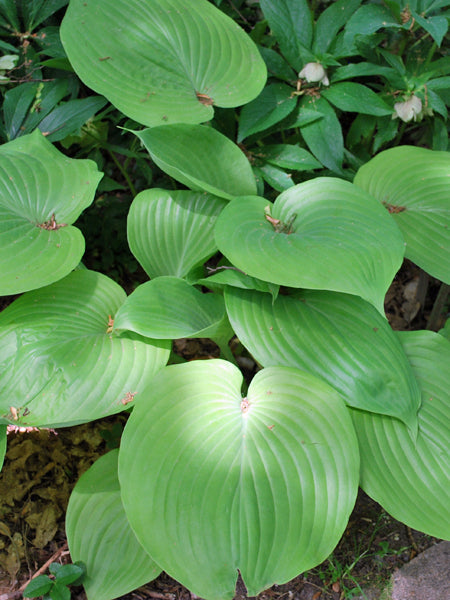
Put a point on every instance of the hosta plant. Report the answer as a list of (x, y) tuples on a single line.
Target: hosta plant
[(217, 476)]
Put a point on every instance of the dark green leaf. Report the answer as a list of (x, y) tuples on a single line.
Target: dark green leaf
[(277, 178), (330, 21), (68, 574), (355, 97), (68, 118), (437, 27), (59, 592), (276, 65), (38, 586)]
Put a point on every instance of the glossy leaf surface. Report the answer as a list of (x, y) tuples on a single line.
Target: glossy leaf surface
[(212, 483), (337, 337), (201, 158), (95, 516), (412, 183), (172, 232), (409, 477), (162, 61), (61, 363), (338, 238), (42, 192)]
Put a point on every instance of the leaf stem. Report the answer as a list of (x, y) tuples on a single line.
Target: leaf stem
[(438, 307)]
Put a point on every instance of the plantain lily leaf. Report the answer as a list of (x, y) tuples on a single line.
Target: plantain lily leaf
[(339, 338), (409, 477), (412, 183), (61, 363), (233, 277), (170, 233), (111, 569), (322, 234), (201, 158), (162, 61), (212, 483), (42, 192), (171, 308)]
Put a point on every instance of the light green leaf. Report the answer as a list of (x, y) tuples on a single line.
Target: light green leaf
[(212, 483), (355, 97), (339, 338), (339, 239), (324, 136), (60, 362), (412, 183), (273, 104), (171, 308), (95, 516), (277, 178), (162, 61), (170, 233), (410, 477), (201, 158), (42, 193), (233, 277), (436, 26)]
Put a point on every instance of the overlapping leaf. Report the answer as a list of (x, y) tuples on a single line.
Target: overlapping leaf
[(412, 183), (172, 232), (2, 444), (212, 483), (162, 61), (42, 193), (171, 308), (201, 158), (338, 238), (61, 363), (95, 516), (340, 338), (410, 477)]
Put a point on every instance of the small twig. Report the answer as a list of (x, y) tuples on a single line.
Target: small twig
[(438, 307), (44, 567)]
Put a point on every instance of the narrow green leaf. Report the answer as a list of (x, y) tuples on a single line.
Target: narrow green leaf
[(412, 183), (68, 118), (355, 97), (291, 24), (201, 158), (213, 483), (288, 156), (170, 233), (112, 569), (410, 477), (330, 21), (339, 338), (324, 136), (277, 178), (273, 104), (436, 26), (162, 62), (3, 440)]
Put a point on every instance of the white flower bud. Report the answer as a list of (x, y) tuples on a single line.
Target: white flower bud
[(314, 72), (409, 109)]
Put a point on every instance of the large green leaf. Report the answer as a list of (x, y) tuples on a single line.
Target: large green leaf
[(171, 308), (410, 477), (172, 232), (201, 158), (341, 239), (412, 183), (341, 339), (61, 363), (212, 483), (99, 534), (162, 61), (42, 193)]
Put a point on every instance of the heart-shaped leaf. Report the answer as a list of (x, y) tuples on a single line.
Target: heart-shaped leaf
[(61, 363), (170, 233), (410, 477), (412, 183), (42, 192), (340, 338), (162, 62), (212, 483), (322, 234), (111, 569), (171, 308), (201, 158)]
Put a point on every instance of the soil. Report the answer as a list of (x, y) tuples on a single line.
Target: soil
[(41, 468)]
